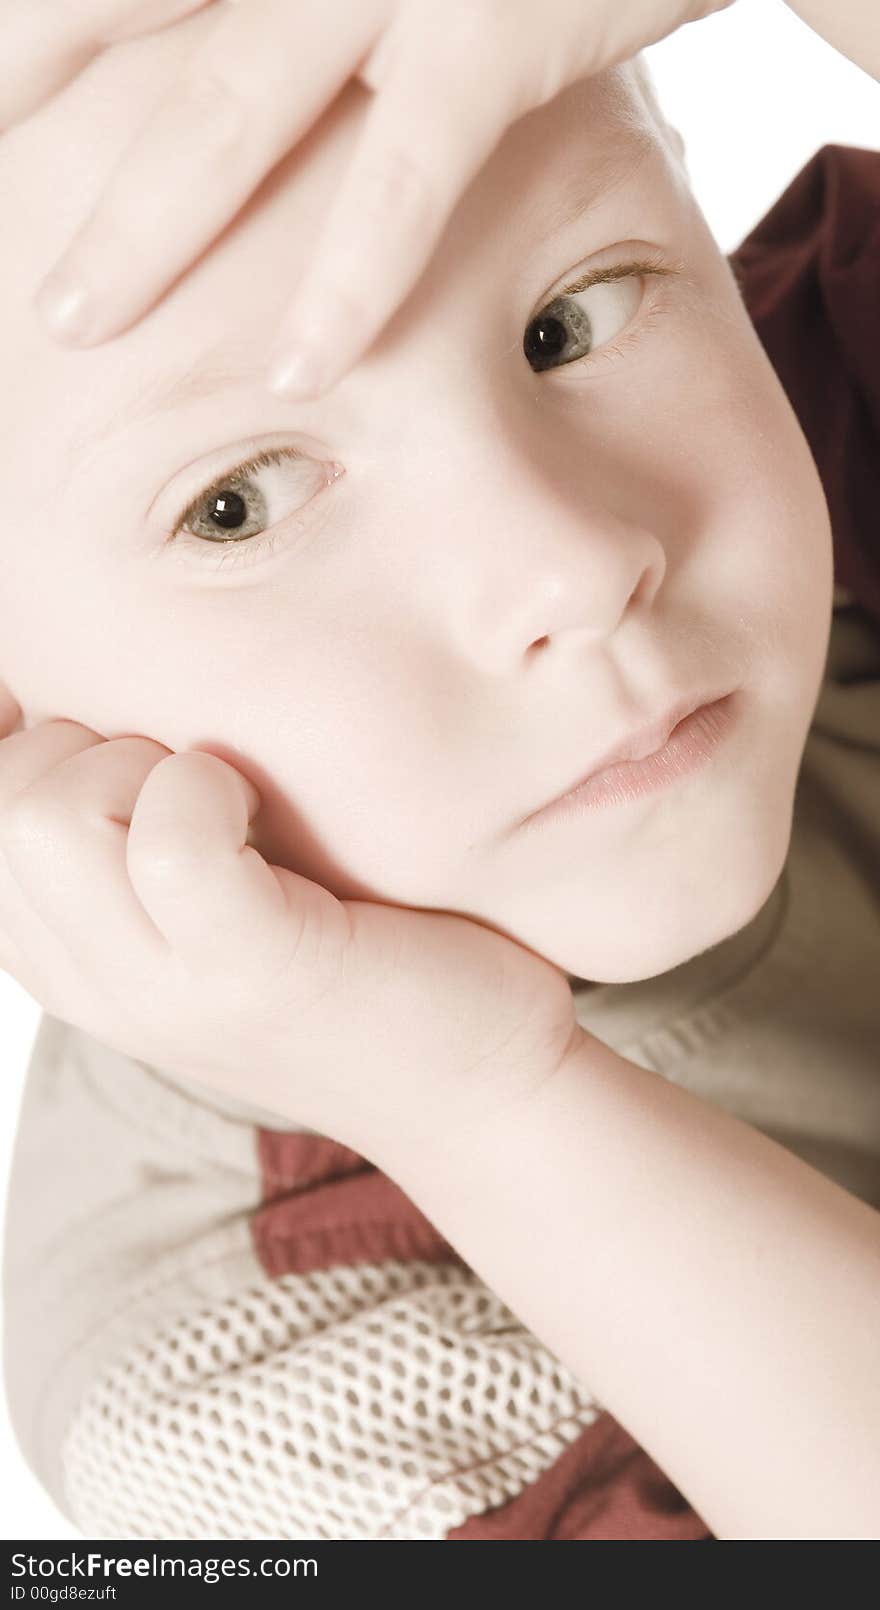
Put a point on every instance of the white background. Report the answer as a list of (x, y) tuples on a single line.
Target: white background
[(754, 93)]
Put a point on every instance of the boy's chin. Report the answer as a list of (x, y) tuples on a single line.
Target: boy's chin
[(650, 954), (626, 967), (670, 927)]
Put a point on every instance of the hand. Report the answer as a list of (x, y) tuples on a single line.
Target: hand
[(132, 907), (450, 76)]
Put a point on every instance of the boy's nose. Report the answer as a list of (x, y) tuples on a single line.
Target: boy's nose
[(523, 567)]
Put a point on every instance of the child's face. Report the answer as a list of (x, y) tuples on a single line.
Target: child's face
[(517, 567)]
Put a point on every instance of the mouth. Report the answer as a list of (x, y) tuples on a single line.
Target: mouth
[(652, 756)]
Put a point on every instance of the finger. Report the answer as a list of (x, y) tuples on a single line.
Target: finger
[(26, 757), (47, 42), (262, 77), (10, 711), (212, 896), (64, 841), (438, 116)]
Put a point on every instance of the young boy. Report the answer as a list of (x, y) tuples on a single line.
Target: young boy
[(219, 1325)]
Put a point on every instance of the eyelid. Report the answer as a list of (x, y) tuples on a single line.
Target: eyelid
[(198, 477), (651, 265), (651, 261), (236, 472)]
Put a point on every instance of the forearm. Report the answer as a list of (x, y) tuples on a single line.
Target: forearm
[(718, 1296), (851, 26)]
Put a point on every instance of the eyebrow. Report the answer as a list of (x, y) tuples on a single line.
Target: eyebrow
[(216, 371), (584, 187)]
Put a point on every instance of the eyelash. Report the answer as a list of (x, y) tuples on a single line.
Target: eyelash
[(229, 553), (252, 550)]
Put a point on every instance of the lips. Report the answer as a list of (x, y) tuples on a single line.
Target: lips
[(646, 740)]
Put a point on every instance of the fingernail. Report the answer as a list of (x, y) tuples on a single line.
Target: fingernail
[(296, 372), (65, 305)]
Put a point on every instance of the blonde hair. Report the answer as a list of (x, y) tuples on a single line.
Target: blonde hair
[(642, 80)]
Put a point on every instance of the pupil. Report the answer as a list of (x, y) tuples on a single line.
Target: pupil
[(229, 510), (545, 337)]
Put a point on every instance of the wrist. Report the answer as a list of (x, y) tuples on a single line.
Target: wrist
[(473, 1122)]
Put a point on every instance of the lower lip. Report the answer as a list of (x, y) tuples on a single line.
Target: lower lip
[(689, 746)]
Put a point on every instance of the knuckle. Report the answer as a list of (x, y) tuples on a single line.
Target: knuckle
[(401, 182), (172, 779), (32, 815), (65, 725), (168, 861), (116, 29), (471, 39), (466, 29), (218, 105), (146, 750)]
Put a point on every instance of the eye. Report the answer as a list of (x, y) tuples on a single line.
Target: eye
[(252, 498), (585, 316)]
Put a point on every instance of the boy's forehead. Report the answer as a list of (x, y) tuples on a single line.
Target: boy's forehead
[(54, 167), (548, 168)]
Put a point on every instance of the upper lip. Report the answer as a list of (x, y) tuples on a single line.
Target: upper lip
[(643, 742)]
